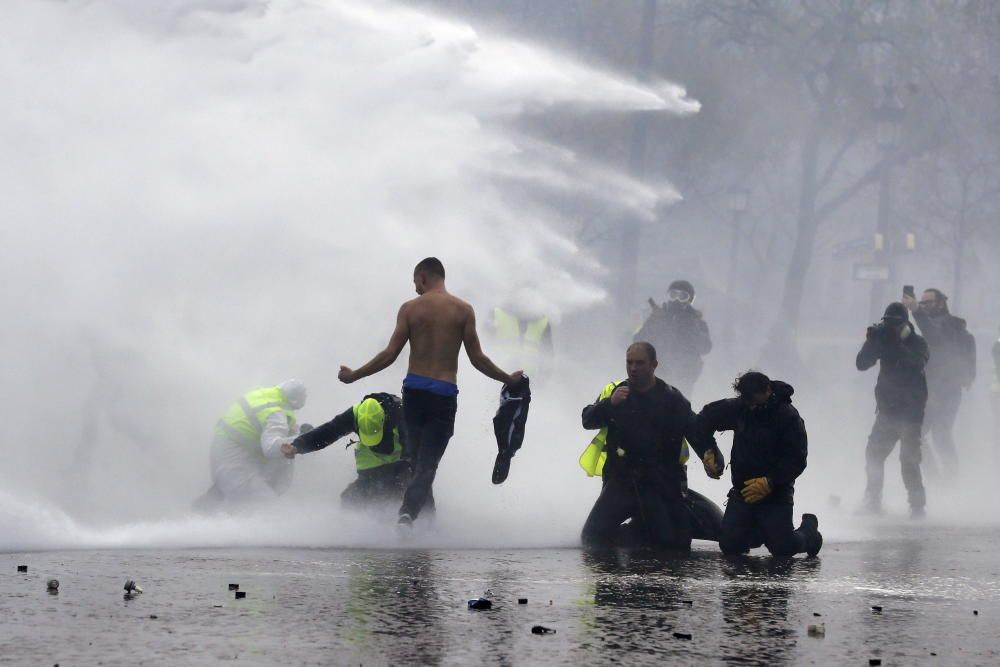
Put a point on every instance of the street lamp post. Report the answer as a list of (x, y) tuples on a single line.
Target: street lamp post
[(888, 122), (738, 202)]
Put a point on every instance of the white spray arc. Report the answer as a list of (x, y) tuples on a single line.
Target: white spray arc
[(202, 197)]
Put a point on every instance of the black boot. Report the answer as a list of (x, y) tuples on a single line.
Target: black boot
[(810, 528)]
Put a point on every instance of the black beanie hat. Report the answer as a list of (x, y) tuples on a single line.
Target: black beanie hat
[(896, 311)]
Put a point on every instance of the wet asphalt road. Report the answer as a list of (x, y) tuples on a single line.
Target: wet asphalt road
[(404, 607)]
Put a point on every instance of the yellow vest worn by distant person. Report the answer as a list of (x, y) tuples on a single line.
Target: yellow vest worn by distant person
[(594, 456), (244, 422), (525, 350)]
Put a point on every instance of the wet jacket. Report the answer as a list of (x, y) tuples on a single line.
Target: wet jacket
[(952, 365), (646, 433), (681, 339), (769, 441), (901, 388), (512, 416)]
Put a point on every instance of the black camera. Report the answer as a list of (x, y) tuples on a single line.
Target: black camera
[(883, 332)]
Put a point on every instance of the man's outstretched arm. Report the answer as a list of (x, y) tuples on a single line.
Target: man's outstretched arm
[(482, 363), (383, 359)]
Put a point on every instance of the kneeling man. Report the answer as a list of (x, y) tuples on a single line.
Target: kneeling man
[(769, 452), (640, 451)]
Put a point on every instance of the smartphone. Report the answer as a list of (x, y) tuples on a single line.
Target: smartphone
[(908, 291)]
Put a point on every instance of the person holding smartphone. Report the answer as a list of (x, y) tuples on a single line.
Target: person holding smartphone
[(950, 371)]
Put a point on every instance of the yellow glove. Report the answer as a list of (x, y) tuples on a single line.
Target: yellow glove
[(712, 469), (756, 489)]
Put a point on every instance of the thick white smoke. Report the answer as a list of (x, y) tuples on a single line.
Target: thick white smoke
[(201, 197)]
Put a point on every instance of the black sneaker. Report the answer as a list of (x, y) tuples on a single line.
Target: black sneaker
[(814, 539), (404, 521), (501, 468)]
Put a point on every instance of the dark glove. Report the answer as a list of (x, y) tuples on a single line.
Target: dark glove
[(756, 489), (714, 463)]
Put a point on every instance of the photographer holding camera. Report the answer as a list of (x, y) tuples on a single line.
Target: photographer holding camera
[(900, 399)]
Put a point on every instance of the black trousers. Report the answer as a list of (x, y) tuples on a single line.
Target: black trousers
[(430, 423), (887, 431), (657, 506), (939, 422), (378, 485), (706, 522), (746, 526)]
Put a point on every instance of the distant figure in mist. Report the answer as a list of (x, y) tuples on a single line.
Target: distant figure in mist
[(437, 325), (121, 397), (770, 447), (249, 446), (380, 454), (950, 371), (640, 452), (900, 398), (679, 334), (523, 333)]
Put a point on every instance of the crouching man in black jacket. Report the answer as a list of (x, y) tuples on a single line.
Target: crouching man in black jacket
[(769, 452)]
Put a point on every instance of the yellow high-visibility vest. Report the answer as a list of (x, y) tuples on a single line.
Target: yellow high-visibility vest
[(244, 422), (594, 456), (365, 458), (526, 349)]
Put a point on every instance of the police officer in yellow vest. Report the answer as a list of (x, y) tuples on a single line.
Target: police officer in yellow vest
[(383, 473), (247, 454), (524, 339), (645, 427)]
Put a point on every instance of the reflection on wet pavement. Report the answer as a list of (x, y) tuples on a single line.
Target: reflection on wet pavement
[(409, 606)]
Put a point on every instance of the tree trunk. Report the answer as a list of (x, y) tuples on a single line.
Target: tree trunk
[(780, 352), (960, 234), (628, 267)]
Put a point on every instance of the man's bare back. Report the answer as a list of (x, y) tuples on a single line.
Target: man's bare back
[(436, 324)]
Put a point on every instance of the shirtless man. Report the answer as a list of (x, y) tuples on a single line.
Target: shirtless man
[(436, 324)]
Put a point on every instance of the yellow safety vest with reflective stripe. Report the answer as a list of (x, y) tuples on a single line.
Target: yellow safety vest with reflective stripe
[(244, 422), (365, 458), (524, 350), (594, 456)]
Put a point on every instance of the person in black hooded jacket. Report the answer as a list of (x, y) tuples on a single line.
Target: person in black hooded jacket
[(769, 452), (900, 397)]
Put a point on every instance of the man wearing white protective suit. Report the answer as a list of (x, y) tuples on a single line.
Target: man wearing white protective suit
[(247, 460)]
